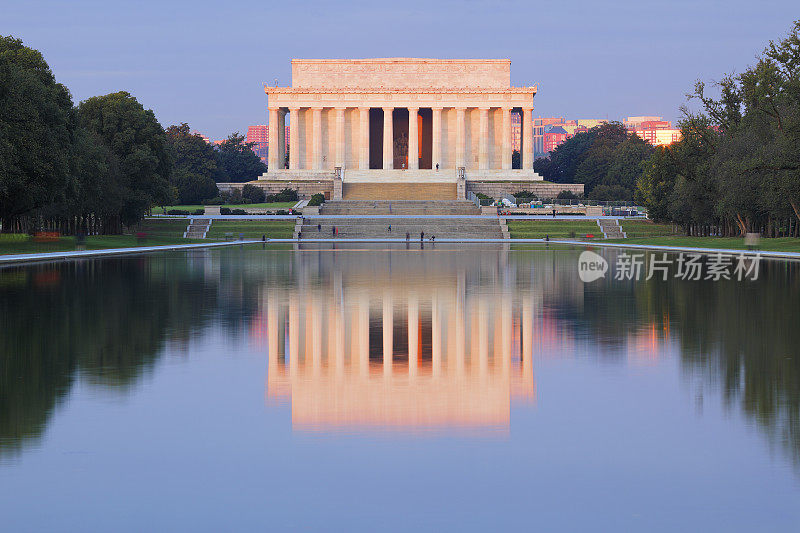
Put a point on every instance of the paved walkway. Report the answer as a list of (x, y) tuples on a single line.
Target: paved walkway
[(80, 254), (55, 256)]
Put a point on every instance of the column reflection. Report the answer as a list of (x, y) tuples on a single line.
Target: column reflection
[(397, 353)]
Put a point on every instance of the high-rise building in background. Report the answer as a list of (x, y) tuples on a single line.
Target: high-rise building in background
[(655, 130), (554, 136), (516, 132), (205, 137), (259, 135)]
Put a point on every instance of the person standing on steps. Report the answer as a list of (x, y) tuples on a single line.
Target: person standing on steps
[(421, 236), (319, 228), (408, 236), (333, 231), (390, 228)]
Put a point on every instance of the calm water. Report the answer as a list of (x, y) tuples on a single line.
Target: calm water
[(478, 389)]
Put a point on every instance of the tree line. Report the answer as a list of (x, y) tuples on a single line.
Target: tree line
[(606, 159), (737, 168), (100, 166)]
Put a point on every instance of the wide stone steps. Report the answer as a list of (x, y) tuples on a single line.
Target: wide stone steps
[(379, 228), (399, 191), (611, 228), (380, 207), (197, 228)]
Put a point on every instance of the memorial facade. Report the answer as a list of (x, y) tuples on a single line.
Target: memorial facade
[(400, 120)]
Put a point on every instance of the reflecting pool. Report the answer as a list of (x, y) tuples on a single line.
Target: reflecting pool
[(477, 388)]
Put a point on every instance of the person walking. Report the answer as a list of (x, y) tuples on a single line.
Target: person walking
[(421, 236), (333, 231), (319, 228), (408, 236), (390, 228)]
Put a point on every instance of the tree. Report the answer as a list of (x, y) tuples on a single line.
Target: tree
[(737, 167), (36, 130), (253, 194), (194, 165), (237, 162), (626, 166), (140, 146), (545, 168)]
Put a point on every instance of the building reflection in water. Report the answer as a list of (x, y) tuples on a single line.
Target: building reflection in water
[(383, 349)]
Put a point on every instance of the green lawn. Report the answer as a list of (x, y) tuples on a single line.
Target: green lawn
[(190, 208), (645, 228), (95, 242), (784, 244), (252, 229), (164, 227), (556, 229)]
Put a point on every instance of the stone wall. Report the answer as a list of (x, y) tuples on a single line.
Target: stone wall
[(305, 189), (540, 189)]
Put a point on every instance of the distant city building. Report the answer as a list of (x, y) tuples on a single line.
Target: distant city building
[(554, 136), (205, 137), (516, 131), (259, 134), (633, 123), (655, 130)]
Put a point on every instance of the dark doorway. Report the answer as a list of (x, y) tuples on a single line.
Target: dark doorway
[(425, 138), (375, 138)]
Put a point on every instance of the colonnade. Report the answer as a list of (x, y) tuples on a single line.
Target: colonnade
[(360, 144)]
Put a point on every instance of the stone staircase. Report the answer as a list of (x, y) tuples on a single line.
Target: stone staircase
[(399, 191), (611, 228), (399, 207), (378, 227), (197, 229)]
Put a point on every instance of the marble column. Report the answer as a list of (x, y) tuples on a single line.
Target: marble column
[(388, 138), (461, 135), (388, 334), (483, 139), (274, 152), (527, 138), (436, 337), (294, 334), (363, 134), (413, 335), (294, 138), (413, 139), (505, 144), (436, 156), (316, 150), (339, 159)]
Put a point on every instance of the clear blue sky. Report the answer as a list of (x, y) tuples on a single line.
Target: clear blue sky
[(204, 63)]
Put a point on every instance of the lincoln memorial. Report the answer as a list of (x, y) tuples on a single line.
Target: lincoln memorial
[(399, 121)]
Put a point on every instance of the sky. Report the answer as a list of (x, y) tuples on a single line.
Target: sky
[(205, 62)]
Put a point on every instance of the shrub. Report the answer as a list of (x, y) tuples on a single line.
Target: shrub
[(282, 212), (253, 194), (177, 212), (199, 212), (234, 197), (316, 199), (217, 200), (567, 195), (224, 210), (238, 212), (286, 195), (524, 196), (482, 196)]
